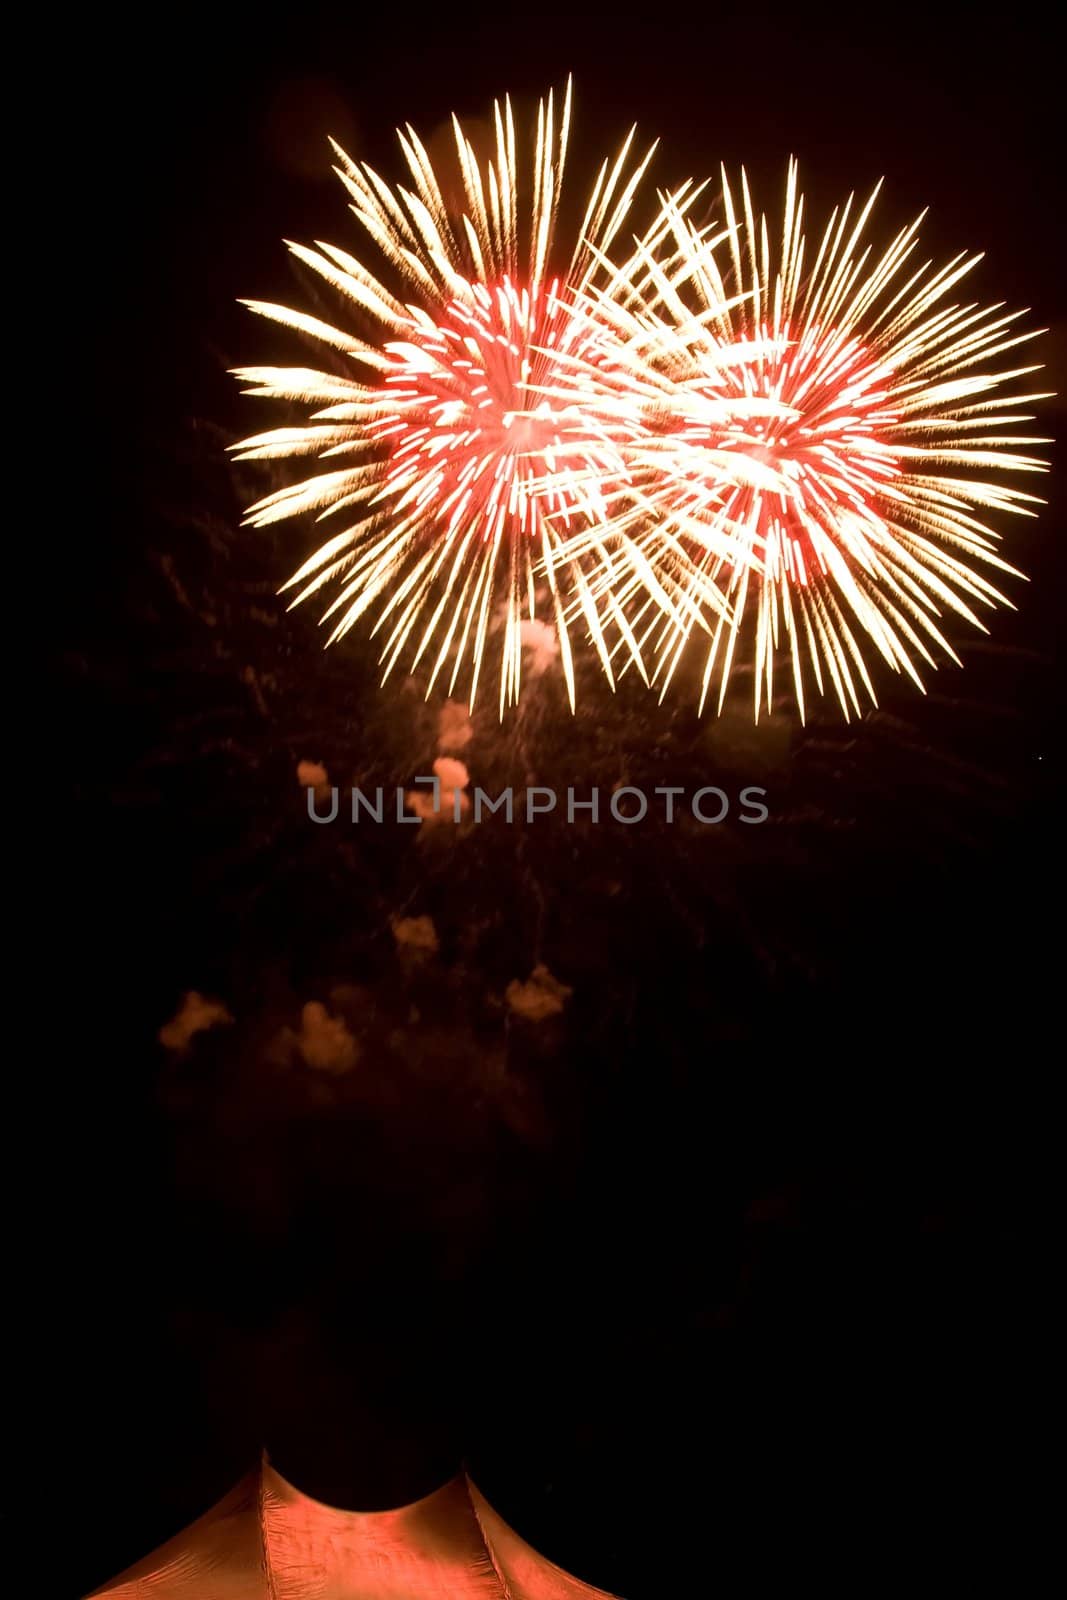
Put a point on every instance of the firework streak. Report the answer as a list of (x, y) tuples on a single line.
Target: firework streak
[(709, 443)]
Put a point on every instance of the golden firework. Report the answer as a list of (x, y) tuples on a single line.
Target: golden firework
[(456, 462), (829, 439)]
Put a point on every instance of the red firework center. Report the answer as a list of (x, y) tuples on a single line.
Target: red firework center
[(831, 446), (473, 426)]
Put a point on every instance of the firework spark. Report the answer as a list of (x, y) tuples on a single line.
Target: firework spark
[(462, 463), (825, 495)]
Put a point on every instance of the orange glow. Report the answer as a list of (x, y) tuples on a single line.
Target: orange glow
[(267, 1541)]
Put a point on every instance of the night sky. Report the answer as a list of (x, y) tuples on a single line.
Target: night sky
[(730, 1271)]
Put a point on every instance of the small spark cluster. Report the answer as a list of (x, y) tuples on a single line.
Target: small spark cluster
[(707, 444)]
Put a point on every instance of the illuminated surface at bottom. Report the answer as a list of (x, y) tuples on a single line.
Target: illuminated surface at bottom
[(267, 1541)]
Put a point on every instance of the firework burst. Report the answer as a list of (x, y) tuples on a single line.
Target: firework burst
[(824, 496), (456, 461)]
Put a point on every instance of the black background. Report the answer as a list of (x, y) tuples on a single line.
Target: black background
[(732, 1271)]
